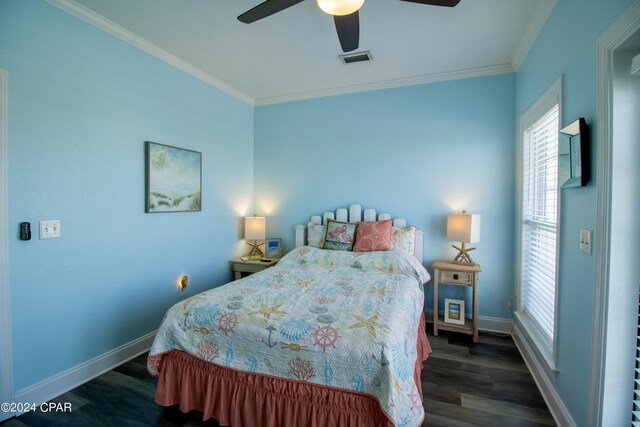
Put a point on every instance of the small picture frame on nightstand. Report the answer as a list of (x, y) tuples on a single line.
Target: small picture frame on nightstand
[(454, 311), (273, 248)]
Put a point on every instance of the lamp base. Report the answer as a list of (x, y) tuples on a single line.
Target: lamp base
[(463, 256), (255, 251)]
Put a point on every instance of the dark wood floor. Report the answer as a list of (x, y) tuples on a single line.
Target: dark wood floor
[(486, 384)]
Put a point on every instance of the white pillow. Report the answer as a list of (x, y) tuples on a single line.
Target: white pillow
[(315, 235), (404, 239)]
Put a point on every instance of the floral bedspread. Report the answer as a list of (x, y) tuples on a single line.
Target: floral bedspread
[(340, 319)]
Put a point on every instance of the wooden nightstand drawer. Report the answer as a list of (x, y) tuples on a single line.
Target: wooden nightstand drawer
[(456, 277), (246, 266)]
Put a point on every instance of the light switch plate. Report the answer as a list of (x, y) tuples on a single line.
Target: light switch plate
[(585, 241), (50, 229)]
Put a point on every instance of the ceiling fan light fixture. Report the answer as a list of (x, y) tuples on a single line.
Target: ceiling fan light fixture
[(340, 7)]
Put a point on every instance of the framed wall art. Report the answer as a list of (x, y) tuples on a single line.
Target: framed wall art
[(173, 179)]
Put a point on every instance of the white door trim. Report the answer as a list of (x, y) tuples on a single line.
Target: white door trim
[(620, 31), (6, 366)]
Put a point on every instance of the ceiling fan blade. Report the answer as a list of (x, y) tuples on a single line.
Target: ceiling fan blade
[(265, 9), (348, 28), (445, 3)]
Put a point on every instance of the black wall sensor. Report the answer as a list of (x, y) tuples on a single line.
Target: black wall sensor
[(25, 231)]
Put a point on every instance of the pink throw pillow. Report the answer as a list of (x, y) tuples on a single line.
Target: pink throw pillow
[(373, 236)]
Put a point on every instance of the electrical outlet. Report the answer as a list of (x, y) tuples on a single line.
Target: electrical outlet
[(585, 241), (50, 229)]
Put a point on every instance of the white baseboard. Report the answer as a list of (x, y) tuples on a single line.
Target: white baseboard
[(556, 406), (485, 323), (56, 385)]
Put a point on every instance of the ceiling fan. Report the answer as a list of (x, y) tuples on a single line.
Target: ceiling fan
[(345, 15)]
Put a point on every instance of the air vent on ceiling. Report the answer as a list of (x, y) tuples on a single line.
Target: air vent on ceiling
[(356, 57)]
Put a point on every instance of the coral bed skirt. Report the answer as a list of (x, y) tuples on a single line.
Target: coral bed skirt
[(243, 399)]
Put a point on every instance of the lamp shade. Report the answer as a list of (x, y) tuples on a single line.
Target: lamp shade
[(340, 7), (463, 227), (254, 228)]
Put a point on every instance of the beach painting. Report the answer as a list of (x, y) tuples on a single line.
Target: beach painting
[(174, 179)]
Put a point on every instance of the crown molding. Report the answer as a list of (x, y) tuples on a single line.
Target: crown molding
[(389, 84), (99, 21), (532, 32), (133, 39)]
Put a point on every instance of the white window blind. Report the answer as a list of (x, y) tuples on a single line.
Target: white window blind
[(540, 223)]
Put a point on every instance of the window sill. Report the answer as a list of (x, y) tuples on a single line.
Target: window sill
[(537, 342)]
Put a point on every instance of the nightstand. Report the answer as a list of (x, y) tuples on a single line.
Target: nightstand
[(246, 266), (449, 273)]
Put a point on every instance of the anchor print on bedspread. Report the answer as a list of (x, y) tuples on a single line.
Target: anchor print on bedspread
[(343, 319)]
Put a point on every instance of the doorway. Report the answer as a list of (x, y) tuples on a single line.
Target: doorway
[(6, 367), (617, 279), (622, 321)]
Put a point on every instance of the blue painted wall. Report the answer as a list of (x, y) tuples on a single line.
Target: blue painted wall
[(567, 46), (81, 105), (418, 152), (83, 102)]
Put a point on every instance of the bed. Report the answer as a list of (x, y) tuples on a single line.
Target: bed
[(324, 338)]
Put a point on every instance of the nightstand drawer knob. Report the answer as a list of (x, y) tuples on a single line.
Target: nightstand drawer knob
[(455, 277)]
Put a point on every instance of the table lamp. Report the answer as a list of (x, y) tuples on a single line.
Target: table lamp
[(254, 229), (464, 228)]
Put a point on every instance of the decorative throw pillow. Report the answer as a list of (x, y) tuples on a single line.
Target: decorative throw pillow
[(315, 234), (373, 236), (404, 239), (339, 235)]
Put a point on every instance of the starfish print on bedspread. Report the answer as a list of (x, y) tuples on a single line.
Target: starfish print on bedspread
[(267, 311), (381, 291), (371, 324)]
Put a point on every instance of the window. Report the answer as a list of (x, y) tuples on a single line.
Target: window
[(539, 215)]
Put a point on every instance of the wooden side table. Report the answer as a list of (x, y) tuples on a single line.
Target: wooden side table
[(449, 273), (246, 266)]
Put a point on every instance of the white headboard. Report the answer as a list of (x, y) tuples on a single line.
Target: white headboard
[(355, 214)]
